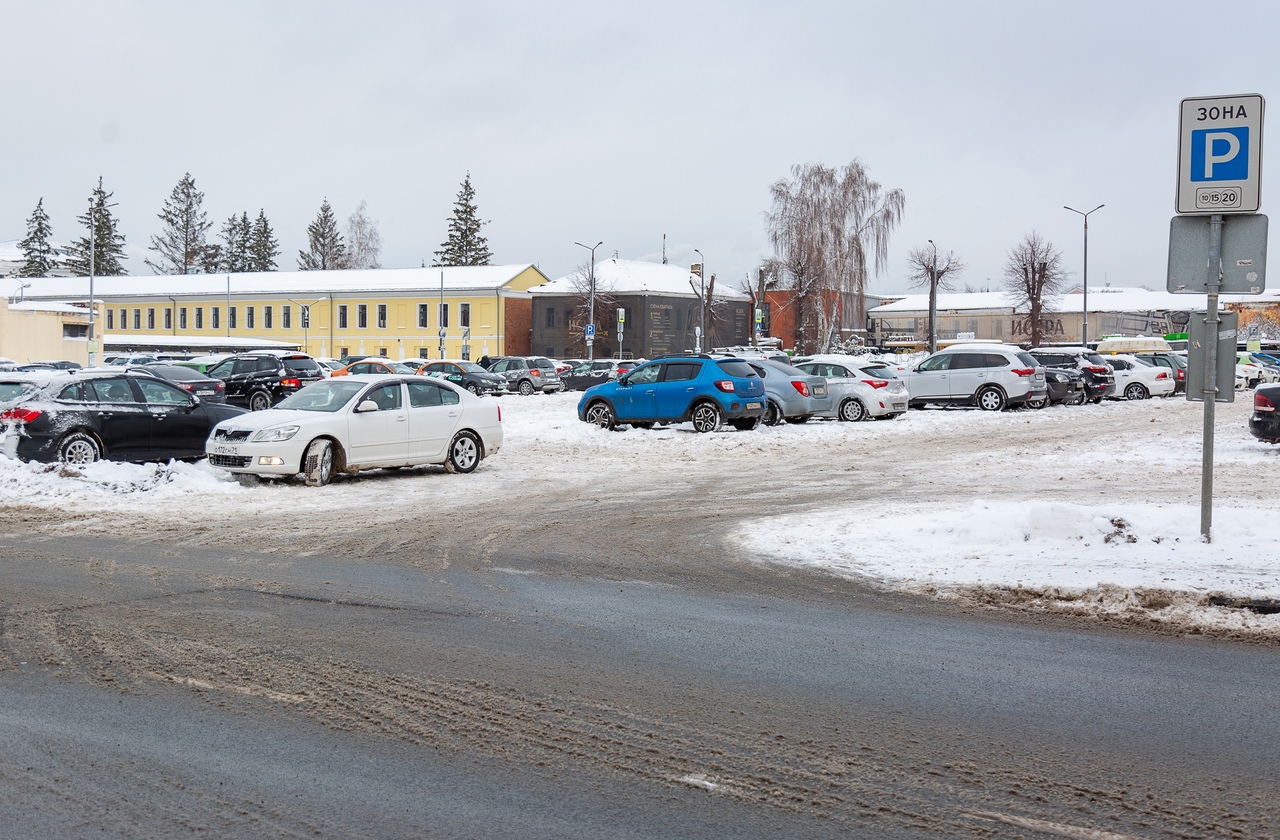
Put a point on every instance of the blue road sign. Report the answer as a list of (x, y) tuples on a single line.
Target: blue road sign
[(1220, 154), (591, 330)]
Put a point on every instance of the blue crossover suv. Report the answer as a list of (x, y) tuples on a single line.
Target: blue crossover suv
[(678, 389)]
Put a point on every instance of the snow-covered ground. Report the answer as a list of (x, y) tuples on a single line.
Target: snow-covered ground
[(1092, 509)]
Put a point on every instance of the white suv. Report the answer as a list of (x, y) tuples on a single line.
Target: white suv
[(990, 376)]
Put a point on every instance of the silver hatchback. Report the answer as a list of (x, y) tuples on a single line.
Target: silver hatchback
[(793, 395)]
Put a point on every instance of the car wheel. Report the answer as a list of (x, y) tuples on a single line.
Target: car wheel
[(317, 463), (471, 386), (990, 398), (798, 420), (79, 448), (526, 388), (705, 417), (853, 411), (772, 414), (1096, 400), (1038, 402), (601, 414), (1078, 398), (464, 453), (1135, 391), (746, 424), (259, 401)]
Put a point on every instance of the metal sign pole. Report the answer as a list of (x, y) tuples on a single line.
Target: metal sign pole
[(1213, 282)]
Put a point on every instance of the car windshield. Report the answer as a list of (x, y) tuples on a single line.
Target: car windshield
[(325, 395)]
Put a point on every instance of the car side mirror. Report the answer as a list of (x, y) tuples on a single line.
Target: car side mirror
[(195, 401), (366, 405)]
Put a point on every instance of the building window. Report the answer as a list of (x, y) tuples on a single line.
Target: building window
[(551, 317), (444, 316), (111, 319), (362, 316), (124, 319), (168, 318), (342, 316), (215, 317), (343, 352), (151, 317), (248, 317), (304, 314), (382, 351), (424, 314), (231, 317), (182, 317), (286, 317), (424, 353), (75, 330), (464, 315), (137, 319), (382, 316), (199, 317), (266, 317)]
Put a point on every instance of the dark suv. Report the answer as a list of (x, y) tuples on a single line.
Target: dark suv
[(1099, 379), (528, 374), (260, 380), (698, 389)]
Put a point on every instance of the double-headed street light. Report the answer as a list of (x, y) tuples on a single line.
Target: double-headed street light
[(1084, 330), (591, 298)]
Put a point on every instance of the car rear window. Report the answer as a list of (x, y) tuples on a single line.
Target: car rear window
[(1095, 358), (303, 364), (176, 372), (882, 371), (737, 367), (1028, 359), (544, 364), (13, 390)]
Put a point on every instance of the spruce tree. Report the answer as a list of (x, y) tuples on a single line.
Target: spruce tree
[(36, 248), (326, 250), (263, 247), (108, 246), (465, 245), (181, 247), (234, 252)]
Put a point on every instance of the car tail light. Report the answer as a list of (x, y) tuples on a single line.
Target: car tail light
[(725, 385), (1181, 374), (802, 387), (291, 383), (221, 386), (186, 386), (19, 415), (1162, 375), (1261, 402), (534, 372), (1025, 371), (877, 383), (1097, 369), (499, 413)]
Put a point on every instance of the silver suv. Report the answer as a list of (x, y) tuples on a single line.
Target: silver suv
[(528, 374), (990, 376)]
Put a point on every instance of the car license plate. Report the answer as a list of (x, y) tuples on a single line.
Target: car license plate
[(819, 390), (899, 406), (752, 405), (204, 393), (223, 449)]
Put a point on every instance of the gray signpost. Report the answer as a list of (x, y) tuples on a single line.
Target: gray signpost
[(1219, 173)]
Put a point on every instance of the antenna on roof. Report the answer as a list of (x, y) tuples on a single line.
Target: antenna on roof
[(664, 249)]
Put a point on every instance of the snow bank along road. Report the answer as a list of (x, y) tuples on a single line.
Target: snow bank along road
[(656, 634), (1090, 510)]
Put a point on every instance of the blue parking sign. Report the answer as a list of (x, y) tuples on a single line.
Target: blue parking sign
[(591, 330), (1220, 154)]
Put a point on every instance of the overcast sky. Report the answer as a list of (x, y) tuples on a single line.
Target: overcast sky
[(622, 122)]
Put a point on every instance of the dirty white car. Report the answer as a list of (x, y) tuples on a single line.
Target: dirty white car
[(362, 422)]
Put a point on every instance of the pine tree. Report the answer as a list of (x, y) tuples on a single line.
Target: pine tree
[(465, 245), (108, 246), (326, 249), (181, 245), (40, 257), (234, 252), (364, 243), (263, 247)]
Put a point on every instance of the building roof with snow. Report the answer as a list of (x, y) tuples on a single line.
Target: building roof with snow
[(1105, 299), (635, 277)]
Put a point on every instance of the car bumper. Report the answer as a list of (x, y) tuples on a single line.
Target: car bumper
[(1265, 427), (266, 458)]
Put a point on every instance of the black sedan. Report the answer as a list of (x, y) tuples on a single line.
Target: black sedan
[(1264, 423), (188, 379), (82, 416), (1066, 386)]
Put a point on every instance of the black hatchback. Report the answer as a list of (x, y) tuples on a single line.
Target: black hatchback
[(83, 416), (260, 380), (1099, 379)]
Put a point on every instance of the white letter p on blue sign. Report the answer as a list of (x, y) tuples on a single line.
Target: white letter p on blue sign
[(1220, 154)]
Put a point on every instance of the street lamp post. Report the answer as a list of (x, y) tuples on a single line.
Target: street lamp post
[(1084, 330), (702, 300), (933, 301), (591, 299), (93, 229)]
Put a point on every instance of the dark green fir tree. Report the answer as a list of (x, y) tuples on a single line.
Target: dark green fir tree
[(234, 251), (105, 243), (465, 245), (40, 260), (325, 249), (181, 248), (263, 247)]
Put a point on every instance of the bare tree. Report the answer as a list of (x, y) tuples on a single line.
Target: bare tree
[(364, 243), (1033, 276), (580, 304), (928, 272), (829, 229)]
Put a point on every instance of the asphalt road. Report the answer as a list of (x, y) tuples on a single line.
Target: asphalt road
[(158, 688)]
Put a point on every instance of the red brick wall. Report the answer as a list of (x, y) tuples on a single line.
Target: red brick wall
[(518, 326)]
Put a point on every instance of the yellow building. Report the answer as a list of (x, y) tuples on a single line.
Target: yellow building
[(40, 331), (469, 311)]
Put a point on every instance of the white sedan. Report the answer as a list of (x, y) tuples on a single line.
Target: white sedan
[(1137, 379), (362, 422)]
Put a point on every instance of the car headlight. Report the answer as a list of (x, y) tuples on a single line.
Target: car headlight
[(276, 433)]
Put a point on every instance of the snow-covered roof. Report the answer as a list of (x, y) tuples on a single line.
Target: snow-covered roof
[(185, 342), (48, 306), (456, 279), (1105, 299), (627, 277)]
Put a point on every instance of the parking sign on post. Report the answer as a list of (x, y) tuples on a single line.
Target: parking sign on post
[(1220, 154)]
